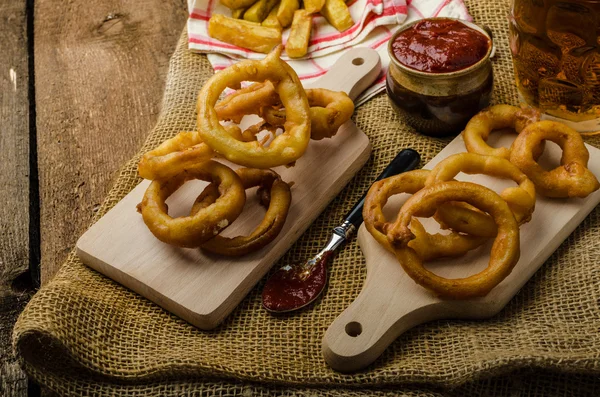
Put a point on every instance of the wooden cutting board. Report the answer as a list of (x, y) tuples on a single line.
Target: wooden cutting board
[(391, 302), (203, 288)]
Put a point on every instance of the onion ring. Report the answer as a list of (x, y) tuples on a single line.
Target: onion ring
[(248, 100), (278, 198), (572, 178), (192, 231), (505, 250), (460, 218), (428, 246), (285, 148), (328, 111), (496, 117), (182, 151)]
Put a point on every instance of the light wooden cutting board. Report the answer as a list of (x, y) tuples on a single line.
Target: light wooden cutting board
[(391, 302), (204, 288)]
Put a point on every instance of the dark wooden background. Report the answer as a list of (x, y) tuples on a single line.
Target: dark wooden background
[(81, 86)]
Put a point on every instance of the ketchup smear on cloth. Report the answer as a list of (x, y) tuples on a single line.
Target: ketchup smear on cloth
[(440, 46)]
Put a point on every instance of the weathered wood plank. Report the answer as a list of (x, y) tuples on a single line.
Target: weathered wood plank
[(14, 182), (100, 69)]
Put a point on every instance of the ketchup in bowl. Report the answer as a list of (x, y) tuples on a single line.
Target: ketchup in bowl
[(440, 74)]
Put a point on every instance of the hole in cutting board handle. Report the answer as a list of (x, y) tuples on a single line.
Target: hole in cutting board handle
[(358, 61), (353, 329)]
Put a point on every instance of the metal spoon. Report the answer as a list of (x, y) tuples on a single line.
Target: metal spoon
[(294, 286)]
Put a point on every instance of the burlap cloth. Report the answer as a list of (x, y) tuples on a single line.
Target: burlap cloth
[(83, 334)]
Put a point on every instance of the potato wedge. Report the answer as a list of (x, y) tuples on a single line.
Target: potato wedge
[(238, 13), (259, 10), (336, 12), (313, 6), (285, 12), (244, 34), (271, 20), (234, 4), (297, 44)]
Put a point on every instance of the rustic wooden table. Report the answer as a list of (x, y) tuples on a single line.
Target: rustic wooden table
[(81, 87)]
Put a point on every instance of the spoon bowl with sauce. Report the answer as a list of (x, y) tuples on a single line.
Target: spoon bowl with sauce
[(295, 286)]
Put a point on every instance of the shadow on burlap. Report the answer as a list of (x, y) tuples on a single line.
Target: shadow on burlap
[(84, 334)]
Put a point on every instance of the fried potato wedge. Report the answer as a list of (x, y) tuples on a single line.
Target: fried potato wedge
[(235, 4), (243, 33), (285, 12), (259, 10), (271, 20), (313, 6), (238, 13), (336, 12), (297, 44)]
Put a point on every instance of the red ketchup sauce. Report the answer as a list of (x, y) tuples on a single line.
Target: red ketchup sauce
[(288, 290), (440, 46)]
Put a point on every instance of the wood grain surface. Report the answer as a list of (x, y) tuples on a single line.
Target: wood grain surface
[(100, 69), (14, 183)]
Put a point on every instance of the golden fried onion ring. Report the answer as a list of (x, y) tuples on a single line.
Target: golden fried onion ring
[(328, 111), (192, 231), (505, 250), (428, 246), (278, 196), (285, 148), (572, 178), (248, 100), (461, 218), (182, 151), (496, 117)]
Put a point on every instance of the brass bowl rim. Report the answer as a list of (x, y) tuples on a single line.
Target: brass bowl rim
[(456, 73)]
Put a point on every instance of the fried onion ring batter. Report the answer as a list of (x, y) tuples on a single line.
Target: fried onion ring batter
[(572, 178), (505, 250), (277, 197), (328, 111), (496, 117), (285, 148), (182, 151), (427, 246), (248, 100), (461, 218), (192, 231)]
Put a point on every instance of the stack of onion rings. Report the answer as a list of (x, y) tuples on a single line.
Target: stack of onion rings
[(505, 250), (283, 149), (277, 198), (188, 155), (408, 240)]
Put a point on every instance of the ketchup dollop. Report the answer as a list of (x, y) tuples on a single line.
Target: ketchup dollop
[(440, 46), (291, 289)]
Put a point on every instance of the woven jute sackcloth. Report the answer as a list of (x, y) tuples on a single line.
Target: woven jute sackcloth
[(83, 334)]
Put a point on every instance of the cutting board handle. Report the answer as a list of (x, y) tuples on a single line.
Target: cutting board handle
[(377, 317), (352, 73)]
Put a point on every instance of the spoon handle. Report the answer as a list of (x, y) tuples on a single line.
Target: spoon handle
[(404, 161)]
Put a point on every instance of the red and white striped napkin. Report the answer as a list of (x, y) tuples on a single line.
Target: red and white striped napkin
[(374, 23)]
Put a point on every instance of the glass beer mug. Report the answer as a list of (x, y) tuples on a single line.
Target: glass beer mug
[(556, 54)]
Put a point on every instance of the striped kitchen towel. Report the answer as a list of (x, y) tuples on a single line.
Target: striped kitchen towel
[(374, 23)]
